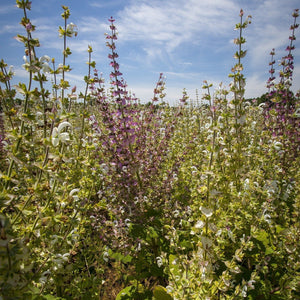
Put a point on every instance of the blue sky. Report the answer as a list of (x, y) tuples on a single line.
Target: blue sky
[(188, 40)]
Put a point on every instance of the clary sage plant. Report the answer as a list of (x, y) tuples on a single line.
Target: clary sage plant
[(103, 196)]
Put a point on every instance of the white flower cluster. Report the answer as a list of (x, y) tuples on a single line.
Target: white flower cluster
[(59, 135)]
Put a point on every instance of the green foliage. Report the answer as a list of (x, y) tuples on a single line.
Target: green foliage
[(134, 292), (160, 293)]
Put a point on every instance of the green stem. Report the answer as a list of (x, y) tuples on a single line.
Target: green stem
[(84, 109), (46, 206), (20, 211), (64, 61)]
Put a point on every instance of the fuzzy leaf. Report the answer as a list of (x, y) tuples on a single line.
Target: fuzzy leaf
[(160, 293)]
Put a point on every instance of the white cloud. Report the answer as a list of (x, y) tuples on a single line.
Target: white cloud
[(169, 24), (5, 9), (10, 28), (255, 86), (296, 78), (145, 93), (92, 25), (184, 75), (97, 4), (106, 4), (21, 73)]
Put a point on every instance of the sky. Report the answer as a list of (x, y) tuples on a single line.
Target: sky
[(189, 41)]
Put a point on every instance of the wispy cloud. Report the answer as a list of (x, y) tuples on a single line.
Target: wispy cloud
[(269, 29), (92, 26), (183, 75), (106, 4), (170, 24), (5, 9), (255, 86), (9, 28), (21, 73), (145, 93)]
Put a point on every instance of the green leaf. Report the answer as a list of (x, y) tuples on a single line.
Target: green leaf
[(160, 293), (47, 297), (152, 233), (50, 297), (127, 259), (137, 230), (126, 293)]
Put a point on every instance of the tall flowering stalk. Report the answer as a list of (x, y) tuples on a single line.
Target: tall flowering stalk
[(270, 83), (239, 81), (2, 135), (123, 132), (86, 97), (158, 92), (237, 87), (7, 94), (133, 140), (6, 103), (68, 30), (281, 108)]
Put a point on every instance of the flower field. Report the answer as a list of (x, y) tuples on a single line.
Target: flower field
[(105, 197)]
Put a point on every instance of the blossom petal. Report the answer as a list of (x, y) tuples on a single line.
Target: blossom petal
[(206, 211), (64, 137), (199, 224), (55, 141), (63, 125)]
